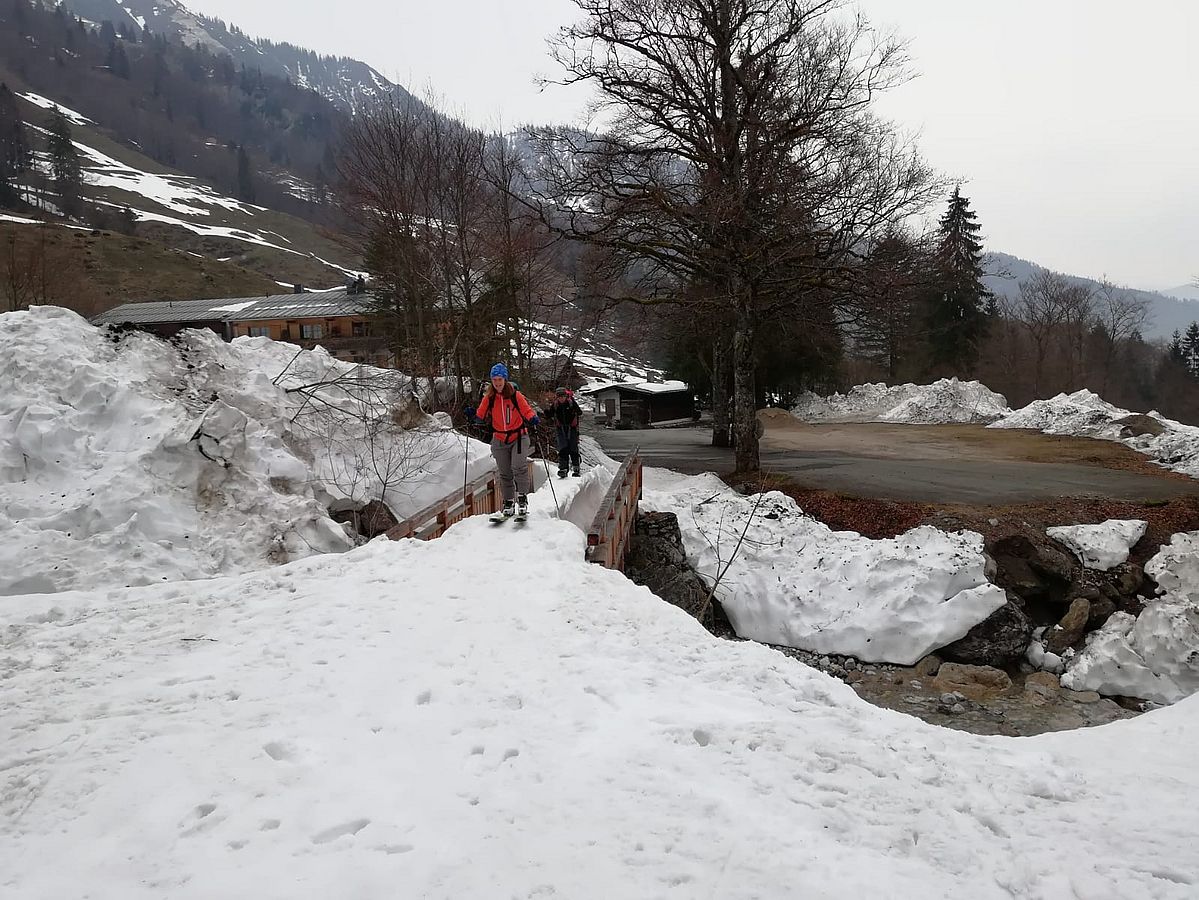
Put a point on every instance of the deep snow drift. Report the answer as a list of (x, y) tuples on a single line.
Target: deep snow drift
[(794, 581), (1154, 655), (1086, 414), (942, 402), (387, 723), (129, 460)]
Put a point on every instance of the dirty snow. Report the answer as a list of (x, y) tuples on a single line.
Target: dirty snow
[(1086, 414), (375, 724), (798, 583), (1104, 546), (945, 401), (1175, 568), (1154, 655), (133, 460)]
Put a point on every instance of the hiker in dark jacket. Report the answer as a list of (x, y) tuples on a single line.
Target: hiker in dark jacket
[(564, 413)]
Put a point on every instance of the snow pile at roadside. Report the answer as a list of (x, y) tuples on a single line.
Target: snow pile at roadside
[(1086, 414), (1083, 414), (129, 460), (1154, 655), (943, 402), (796, 582), (376, 724), (1102, 546)]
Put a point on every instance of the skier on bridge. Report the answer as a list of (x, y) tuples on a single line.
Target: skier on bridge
[(509, 416)]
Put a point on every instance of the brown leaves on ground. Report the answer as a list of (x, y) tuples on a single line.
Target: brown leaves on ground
[(877, 518)]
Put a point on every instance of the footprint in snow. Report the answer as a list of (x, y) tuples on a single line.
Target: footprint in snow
[(332, 834)]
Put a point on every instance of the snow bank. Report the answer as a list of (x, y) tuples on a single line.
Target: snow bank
[(1086, 414), (942, 402), (1175, 568), (1102, 546), (128, 460), (796, 582), (1154, 655), (385, 723)]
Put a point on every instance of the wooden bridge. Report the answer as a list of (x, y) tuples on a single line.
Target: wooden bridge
[(607, 538)]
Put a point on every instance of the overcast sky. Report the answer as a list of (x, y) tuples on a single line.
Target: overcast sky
[(1074, 124)]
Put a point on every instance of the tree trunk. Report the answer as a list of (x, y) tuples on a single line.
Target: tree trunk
[(745, 412), (720, 395)]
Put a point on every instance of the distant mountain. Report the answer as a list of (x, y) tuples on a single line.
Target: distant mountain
[(1184, 292), (347, 83), (1167, 313)]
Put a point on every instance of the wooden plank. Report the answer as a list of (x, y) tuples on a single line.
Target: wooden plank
[(414, 524), (608, 537)]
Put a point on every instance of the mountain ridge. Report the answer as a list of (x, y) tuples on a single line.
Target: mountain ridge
[(1167, 313), (348, 83)]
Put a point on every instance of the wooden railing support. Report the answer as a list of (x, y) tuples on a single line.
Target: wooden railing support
[(612, 528)]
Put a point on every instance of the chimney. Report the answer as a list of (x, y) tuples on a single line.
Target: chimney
[(297, 288)]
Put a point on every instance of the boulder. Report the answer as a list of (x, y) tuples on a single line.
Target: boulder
[(1138, 425), (928, 666), (1128, 579), (1034, 571), (1071, 628), (656, 560), (972, 682), (999, 639), (1101, 610), (1047, 680)]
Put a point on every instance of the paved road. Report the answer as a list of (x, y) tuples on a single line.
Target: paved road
[(974, 481)]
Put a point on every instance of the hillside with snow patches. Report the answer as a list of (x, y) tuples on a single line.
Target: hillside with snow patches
[(186, 212), (212, 692)]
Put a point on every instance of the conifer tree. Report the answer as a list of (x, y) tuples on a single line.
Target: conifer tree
[(957, 306), (1190, 346), (14, 148), (245, 177), (1177, 353), (65, 166)]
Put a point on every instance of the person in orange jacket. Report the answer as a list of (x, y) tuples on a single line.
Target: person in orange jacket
[(509, 416)]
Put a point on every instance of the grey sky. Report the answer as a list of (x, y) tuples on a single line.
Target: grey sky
[(1073, 123)]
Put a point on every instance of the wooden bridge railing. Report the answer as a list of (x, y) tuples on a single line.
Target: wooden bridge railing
[(482, 495), (607, 539), (612, 527)]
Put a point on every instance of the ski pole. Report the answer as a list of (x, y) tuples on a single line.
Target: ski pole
[(548, 479)]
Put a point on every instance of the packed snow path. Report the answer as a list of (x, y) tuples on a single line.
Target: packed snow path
[(487, 716)]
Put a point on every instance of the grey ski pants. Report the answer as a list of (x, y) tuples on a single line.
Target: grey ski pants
[(513, 466)]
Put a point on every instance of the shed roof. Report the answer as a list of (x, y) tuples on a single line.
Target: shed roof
[(328, 304), (637, 387)]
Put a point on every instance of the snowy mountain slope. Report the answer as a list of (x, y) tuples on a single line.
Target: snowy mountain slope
[(189, 213), (348, 83), (126, 459), (388, 723)]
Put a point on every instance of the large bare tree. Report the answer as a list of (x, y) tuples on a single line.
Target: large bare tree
[(738, 154)]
